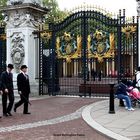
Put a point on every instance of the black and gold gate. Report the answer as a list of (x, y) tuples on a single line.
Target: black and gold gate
[(86, 51), (2, 49)]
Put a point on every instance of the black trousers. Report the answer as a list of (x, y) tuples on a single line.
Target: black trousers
[(23, 101), (9, 95)]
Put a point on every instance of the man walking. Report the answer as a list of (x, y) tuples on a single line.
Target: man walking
[(23, 89), (7, 88)]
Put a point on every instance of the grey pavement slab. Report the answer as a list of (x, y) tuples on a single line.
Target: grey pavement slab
[(123, 123)]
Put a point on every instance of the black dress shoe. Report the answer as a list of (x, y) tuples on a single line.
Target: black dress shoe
[(5, 115), (9, 113), (26, 113), (15, 109)]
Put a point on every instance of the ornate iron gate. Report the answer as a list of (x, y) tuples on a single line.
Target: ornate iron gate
[(86, 51), (127, 46), (2, 49)]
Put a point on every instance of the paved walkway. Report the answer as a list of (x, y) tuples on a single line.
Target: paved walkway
[(52, 118), (123, 125), (67, 118)]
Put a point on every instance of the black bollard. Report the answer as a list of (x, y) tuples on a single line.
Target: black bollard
[(89, 91), (111, 99)]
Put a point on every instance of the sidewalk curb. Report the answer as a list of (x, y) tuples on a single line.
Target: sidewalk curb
[(89, 120)]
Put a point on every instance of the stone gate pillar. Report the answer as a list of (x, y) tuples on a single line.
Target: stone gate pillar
[(23, 17)]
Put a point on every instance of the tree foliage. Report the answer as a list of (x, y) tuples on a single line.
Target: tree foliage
[(2, 3), (54, 15)]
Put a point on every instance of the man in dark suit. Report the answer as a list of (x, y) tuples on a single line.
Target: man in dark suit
[(23, 89), (7, 88)]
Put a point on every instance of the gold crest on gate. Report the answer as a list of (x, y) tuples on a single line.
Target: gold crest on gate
[(68, 46), (101, 45)]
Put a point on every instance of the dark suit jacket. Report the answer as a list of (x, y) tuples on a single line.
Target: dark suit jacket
[(23, 83), (7, 81)]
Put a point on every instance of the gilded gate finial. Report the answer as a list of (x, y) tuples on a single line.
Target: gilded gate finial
[(129, 30), (3, 37), (89, 7), (46, 35)]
